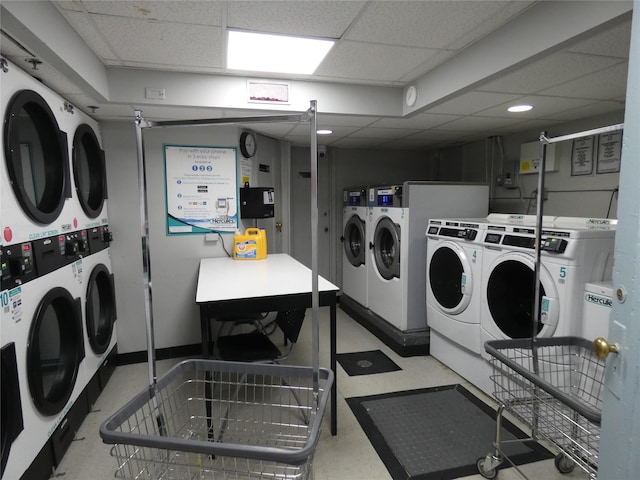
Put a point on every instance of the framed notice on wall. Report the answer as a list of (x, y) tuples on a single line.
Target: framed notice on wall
[(582, 156), (201, 189), (609, 152)]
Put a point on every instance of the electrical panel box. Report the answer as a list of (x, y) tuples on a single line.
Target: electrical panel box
[(530, 158), (257, 202)]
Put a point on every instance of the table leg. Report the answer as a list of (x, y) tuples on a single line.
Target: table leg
[(204, 331), (334, 388)]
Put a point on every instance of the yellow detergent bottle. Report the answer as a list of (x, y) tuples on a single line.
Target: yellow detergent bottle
[(250, 245)]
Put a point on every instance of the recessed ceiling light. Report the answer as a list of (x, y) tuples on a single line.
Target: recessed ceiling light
[(275, 53), (324, 131), (519, 108)]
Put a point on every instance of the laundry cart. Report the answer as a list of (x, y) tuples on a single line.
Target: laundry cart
[(207, 419), (554, 386)]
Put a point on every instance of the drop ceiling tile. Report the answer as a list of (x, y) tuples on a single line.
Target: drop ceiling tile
[(86, 28), (422, 120), (353, 142), (433, 25), (328, 19), (603, 85), (548, 72), (338, 131), (359, 61), (186, 11), (139, 42), (382, 133), (271, 129), (345, 120), (472, 102), (591, 110), (543, 106), (613, 42), (475, 123)]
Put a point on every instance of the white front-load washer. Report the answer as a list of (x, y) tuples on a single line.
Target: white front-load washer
[(99, 313), (354, 241), (45, 321), (454, 270), (574, 251), (398, 219)]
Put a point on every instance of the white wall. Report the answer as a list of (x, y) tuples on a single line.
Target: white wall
[(175, 259)]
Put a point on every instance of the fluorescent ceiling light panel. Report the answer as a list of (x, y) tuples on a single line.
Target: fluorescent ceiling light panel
[(261, 52), (324, 131)]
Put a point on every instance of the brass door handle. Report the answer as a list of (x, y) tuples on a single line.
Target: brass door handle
[(279, 226), (604, 348)]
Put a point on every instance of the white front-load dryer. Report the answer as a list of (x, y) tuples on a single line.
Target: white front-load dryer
[(35, 183), (573, 252), (354, 241)]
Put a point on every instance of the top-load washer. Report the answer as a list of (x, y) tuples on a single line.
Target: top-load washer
[(398, 218), (354, 240), (574, 251)]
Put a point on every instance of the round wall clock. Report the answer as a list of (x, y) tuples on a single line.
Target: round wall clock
[(248, 144), (411, 96)]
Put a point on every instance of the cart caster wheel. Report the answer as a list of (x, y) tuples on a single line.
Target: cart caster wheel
[(492, 473), (564, 464)]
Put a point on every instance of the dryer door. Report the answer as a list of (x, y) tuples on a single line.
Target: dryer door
[(89, 171), (11, 421), (386, 248), (55, 350), (100, 309), (36, 153), (450, 277), (510, 294), (354, 240)]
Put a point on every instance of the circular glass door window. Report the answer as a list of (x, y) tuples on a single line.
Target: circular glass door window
[(55, 350), (354, 241), (37, 157), (445, 277), (510, 298), (100, 309), (88, 170), (386, 245)]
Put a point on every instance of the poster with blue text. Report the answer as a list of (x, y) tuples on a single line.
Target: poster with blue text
[(201, 189)]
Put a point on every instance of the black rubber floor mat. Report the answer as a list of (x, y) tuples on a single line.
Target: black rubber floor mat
[(366, 363), (436, 433)]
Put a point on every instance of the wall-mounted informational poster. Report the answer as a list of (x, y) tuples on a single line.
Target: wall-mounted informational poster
[(609, 152), (201, 189), (582, 156)]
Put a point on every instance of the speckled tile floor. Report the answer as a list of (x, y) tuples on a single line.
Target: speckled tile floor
[(347, 456)]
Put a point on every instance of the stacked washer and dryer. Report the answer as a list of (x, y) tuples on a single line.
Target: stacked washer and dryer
[(397, 221), (44, 244), (497, 252)]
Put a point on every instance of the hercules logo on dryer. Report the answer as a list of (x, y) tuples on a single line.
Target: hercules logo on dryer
[(602, 301)]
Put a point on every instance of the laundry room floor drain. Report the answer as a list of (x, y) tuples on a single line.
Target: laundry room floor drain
[(366, 363)]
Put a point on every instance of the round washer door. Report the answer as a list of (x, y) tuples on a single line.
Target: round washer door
[(89, 171), (510, 294), (37, 157), (100, 309), (55, 350), (11, 422), (386, 248), (354, 240), (450, 277)]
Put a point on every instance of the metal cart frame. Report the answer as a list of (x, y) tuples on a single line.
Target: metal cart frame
[(535, 378)]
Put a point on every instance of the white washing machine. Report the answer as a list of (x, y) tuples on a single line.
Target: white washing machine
[(354, 241), (45, 321), (454, 269), (99, 312), (398, 219), (575, 251)]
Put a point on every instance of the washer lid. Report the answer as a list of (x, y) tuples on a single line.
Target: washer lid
[(355, 240), (450, 278), (386, 248)]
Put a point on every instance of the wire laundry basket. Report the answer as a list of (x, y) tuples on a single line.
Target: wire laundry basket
[(555, 389), (207, 419)]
